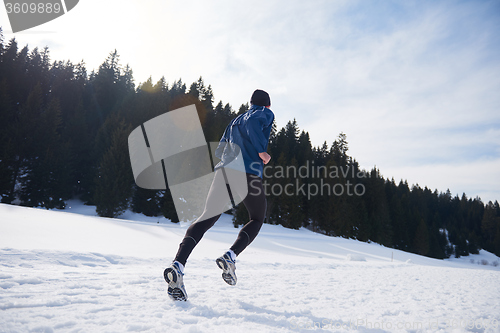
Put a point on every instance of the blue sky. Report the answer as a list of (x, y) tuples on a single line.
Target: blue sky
[(414, 84)]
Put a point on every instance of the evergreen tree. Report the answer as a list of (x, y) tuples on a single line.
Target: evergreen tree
[(490, 226), (147, 202), (378, 210), (339, 149), (47, 180), (421, 240), (114, 177), (243, 108), (290, 213), (8, 156)]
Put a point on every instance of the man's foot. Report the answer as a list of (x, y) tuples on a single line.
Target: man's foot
[(173, 275), (227, 264)]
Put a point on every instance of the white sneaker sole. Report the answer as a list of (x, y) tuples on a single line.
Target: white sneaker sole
[(176, 289), (228, 274)]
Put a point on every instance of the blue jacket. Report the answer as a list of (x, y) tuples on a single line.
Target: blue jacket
[(250, 132)]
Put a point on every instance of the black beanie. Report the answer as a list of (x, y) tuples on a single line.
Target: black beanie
[(260, 98)]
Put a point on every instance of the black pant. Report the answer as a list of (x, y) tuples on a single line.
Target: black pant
[(255, 202)]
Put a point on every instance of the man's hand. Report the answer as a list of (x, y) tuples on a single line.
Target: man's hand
[(265, 157)]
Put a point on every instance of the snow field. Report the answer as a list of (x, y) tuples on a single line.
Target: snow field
[(63, 272)]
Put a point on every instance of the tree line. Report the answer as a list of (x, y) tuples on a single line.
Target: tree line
[(64, 131)]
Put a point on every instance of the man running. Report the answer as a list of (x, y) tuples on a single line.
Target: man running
[(250, 133)]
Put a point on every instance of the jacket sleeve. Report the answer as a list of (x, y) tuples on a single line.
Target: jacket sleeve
[(255, 129)]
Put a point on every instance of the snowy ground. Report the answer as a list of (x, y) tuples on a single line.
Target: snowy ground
[(66, 272)]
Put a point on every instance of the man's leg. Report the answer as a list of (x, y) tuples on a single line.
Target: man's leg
[(256, 204), (216, 201)]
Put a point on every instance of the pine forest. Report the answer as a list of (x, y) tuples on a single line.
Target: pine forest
[(64, 130)]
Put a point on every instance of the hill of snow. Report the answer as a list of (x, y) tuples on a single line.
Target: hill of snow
[(70, 271)]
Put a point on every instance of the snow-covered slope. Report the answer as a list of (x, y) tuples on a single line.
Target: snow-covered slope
[(67, 272)]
